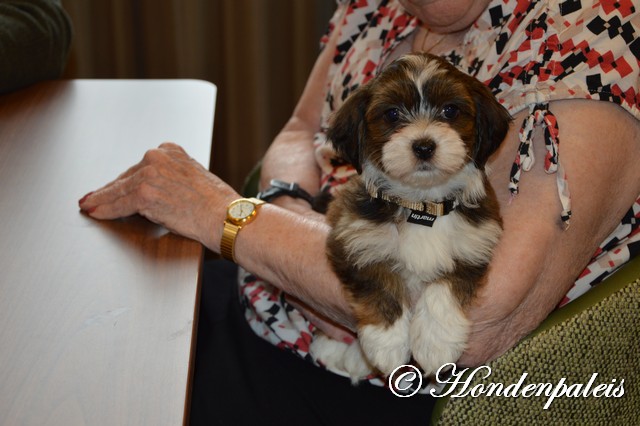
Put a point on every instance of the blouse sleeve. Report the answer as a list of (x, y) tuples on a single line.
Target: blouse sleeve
[(552, 50)]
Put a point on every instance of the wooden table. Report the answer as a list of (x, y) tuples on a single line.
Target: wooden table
[(96, 318)]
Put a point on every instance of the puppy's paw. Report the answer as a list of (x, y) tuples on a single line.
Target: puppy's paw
[(386, 348), (341, 357), (439, 329)]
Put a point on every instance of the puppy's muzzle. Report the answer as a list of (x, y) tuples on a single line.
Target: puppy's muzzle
[(424, 149)]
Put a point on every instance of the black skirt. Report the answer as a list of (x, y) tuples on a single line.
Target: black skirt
[(240, 379)]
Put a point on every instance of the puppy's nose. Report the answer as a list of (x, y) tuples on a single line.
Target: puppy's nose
[(424, 149)]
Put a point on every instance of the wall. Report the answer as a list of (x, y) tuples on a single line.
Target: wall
[(258, 53)]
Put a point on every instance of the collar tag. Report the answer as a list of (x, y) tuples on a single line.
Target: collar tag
[(421, 218)]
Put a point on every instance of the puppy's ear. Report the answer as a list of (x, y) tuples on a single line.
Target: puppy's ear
[(347, 129), (492, 123)]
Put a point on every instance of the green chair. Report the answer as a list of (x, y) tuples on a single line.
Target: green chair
[(597, 333)]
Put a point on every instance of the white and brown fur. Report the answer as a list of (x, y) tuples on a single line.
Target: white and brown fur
[(421, 130)]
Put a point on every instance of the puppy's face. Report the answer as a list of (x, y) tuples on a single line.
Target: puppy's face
[(419, 122)]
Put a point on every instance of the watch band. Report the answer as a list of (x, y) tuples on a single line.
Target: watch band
[(278, 188), (228, 241)]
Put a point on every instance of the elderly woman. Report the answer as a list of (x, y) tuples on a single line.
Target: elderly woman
[(546, 61)]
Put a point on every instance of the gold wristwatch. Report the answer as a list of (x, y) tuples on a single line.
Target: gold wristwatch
[(239, 213)]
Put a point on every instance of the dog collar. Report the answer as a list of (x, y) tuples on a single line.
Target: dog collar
[(441, 208)]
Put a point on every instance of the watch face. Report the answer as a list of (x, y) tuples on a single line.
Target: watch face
[(241, 210)]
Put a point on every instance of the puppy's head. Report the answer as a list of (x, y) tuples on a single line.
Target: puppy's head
[(419, 122)]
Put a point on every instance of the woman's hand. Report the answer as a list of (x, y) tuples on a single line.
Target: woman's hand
[(171, 189)]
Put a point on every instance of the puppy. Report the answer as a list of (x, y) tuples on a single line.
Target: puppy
[(414, 232)]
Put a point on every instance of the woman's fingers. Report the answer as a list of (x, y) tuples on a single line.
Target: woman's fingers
[(116, 199), (170, 146), (169, 188), (129, 186), (154, 156)]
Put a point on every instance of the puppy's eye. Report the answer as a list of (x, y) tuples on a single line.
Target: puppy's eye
[(449, 112), (392, 115)]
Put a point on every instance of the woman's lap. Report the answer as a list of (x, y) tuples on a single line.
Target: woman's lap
[(241, 379)]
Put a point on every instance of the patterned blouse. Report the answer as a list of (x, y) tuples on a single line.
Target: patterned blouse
[(529, 53)]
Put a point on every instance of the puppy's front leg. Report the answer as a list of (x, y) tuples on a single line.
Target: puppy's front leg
[(386, 345), (379, 301), (347, 358), (439, 328)]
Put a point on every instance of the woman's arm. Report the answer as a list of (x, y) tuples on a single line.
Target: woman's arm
[(35, 36), (537, 261), (285, 248)]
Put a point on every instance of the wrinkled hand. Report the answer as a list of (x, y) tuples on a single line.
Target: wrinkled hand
[(169, 188)]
